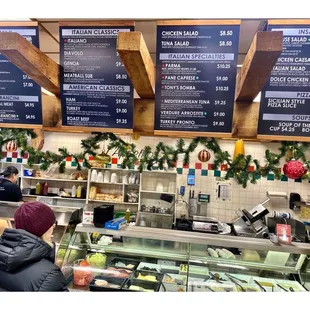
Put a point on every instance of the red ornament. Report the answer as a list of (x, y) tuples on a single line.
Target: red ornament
[(11, 146), (294, 169), (204, 156)]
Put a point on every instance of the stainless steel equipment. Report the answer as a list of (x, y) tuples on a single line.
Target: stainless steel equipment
[(210, 225), (251, 223)]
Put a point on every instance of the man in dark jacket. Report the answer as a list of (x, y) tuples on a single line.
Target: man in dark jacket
[(26, 262)]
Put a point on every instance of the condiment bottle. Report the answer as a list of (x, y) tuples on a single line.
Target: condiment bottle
[(127, 216), (45, 189), (73, 193), (79, 192), (38, 188)]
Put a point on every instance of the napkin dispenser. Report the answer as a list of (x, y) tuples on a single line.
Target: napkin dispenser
[(103, 214)]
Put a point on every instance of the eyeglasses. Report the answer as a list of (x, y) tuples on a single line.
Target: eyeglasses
[(56, 223)]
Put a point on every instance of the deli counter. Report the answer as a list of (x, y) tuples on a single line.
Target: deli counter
[(149, 259)]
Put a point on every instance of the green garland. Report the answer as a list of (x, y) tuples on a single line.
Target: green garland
[(163, 157)]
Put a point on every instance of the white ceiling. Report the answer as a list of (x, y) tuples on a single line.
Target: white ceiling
[(49, 36)]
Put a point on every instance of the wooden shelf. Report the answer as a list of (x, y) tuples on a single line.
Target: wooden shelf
[(154, 192), (56, 197), (51, 179), (115, 202), (108, 183)]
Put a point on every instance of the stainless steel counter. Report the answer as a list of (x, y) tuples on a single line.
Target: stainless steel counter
[(199, 238)]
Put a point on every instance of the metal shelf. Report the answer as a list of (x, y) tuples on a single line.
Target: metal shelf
[(56, 197)]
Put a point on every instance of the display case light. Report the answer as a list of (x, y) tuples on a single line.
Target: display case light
[(232, 266)]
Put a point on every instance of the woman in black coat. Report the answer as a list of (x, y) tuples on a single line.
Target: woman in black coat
[(26, 253)]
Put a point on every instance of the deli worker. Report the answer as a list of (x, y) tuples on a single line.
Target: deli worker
[(9, 190)]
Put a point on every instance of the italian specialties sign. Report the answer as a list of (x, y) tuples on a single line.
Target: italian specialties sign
[(196, 76)]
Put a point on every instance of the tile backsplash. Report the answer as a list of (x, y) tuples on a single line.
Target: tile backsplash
[(206, 179)]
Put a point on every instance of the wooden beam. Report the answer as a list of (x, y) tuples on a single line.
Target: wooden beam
[(144, 116), (283, 138), (245, 120), (19, 24), (98, 23), (38, 142), (42, 69), (198, 22), (191, 134), (289, 22), (263, 53), (138, 62), (51, 111)]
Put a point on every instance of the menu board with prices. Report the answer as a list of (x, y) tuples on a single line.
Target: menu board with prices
[(20, 96), (195, 77), (95, 88), (285, 98)]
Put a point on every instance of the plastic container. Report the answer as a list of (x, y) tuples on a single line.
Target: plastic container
[(82, 275), (119, 262), (38, 189), (140, 286), (268, 284), (115, 272), (287, 284), (150, 276), (211, 286), (96, 263), (127, 215), (114, 284), (73, 192), (29, 172), (45, 189)]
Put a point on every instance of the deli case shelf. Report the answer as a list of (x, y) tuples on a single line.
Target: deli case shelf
[(149, 259)]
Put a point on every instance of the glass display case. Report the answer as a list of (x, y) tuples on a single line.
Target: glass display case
[(149, 259)]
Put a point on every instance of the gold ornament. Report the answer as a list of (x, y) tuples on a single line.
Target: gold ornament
[(239, 148), (135, 136), (103, 157)]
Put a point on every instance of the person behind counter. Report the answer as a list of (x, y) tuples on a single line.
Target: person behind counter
[(26, 253), (9, 190)]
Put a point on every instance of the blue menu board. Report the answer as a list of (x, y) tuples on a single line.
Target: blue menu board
[(285, 98), (95, 88), (196, 77), (20, 96)]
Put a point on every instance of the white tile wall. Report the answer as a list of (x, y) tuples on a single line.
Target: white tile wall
[(223, 210)]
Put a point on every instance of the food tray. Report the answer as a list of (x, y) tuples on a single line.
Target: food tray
[(168, 287), (116, 281), (147, 285), (194, 271), (287, 284), (210, 286), (268, 284), (149, 267), (115, 272), (248, 288), (144, 273), (126, 261), (175, 279), (246, 278)]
